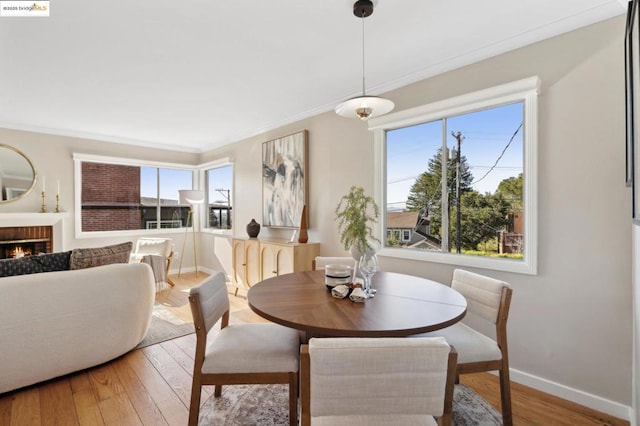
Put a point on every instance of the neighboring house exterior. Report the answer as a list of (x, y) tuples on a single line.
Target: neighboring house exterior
[(410, 229), (401, 226), (112, 201)]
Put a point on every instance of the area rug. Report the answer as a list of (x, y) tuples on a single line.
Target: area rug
[(268, 405), (165, 325), (470, 409)]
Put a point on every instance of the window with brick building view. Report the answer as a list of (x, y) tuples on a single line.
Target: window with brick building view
[(119, 197)]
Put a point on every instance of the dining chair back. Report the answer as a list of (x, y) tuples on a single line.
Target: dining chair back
[(238, 353), (488, 299), (357, 381)]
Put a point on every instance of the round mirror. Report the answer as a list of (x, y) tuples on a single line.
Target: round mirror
[(17, 174)]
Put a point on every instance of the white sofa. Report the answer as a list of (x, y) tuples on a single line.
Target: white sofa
[(55, 323)]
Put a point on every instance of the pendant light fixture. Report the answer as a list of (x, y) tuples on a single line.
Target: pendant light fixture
[(364, 107)]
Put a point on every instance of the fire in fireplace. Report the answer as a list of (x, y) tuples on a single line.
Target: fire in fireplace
[(22, 249), (23, 241), (14, 249), (18, 251)]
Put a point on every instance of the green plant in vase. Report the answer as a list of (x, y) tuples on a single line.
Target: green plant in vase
[(355, 213)]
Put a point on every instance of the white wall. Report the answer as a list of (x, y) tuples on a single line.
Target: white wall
[(570, 328)]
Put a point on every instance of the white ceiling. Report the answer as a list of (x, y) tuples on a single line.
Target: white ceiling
[(194, 75)]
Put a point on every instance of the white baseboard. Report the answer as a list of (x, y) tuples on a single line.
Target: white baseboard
[(185, 269), (203, 269), (594, 402)]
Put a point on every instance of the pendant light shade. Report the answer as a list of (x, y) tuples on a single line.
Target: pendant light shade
[(364, 107)]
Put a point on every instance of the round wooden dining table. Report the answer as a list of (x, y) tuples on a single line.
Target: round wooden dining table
[(403, 305)]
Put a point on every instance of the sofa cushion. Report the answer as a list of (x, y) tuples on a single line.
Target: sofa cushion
[(48, 262), (90, 257)]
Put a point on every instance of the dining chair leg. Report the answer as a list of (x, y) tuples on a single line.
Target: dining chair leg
[(505, 397), (217, 390), (293, 399), (305, 386), (194, 408)]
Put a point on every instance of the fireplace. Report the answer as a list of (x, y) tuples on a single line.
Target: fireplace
[(20, 241)]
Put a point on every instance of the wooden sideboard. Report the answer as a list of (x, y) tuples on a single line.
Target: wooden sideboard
[(255, 260)]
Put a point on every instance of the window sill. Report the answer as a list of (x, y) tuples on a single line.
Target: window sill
[(496, 264), (221, 232), (129, 233)]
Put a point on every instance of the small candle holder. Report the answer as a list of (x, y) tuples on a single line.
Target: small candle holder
[(43, 208), (57, 203)]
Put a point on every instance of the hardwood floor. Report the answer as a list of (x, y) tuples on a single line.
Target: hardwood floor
[(151, 386)]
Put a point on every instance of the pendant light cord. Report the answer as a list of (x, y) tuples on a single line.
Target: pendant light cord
[(363, 69)]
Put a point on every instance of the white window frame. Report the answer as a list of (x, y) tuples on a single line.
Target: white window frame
[(202, 172), (79, 158), (526, 91)]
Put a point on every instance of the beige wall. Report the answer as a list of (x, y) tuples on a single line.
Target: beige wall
[(570, 329)]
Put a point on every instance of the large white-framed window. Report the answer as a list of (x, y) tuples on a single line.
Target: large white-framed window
[(119, 196), (465, 170), (218, 184)]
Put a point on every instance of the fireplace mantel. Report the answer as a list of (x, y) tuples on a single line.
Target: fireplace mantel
[(55, 220), (31, 219)]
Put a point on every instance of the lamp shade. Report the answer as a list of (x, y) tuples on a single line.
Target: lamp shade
[(191, 196), (364, 107)]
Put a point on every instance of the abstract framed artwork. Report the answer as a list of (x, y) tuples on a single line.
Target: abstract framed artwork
[(285, 180)]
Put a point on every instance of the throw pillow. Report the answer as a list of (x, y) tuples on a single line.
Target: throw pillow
[(90, 257), (49, 262)]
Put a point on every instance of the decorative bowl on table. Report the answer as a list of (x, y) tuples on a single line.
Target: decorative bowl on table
[(337, 275)]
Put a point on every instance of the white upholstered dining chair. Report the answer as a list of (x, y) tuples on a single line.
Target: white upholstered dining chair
[(376, 381), (488, 300), (238, 354)]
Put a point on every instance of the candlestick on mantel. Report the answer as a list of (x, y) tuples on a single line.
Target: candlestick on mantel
[(58, 198), (43, 208), (43, 188)]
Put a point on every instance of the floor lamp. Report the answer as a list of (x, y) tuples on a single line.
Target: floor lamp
[(192, 197)]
